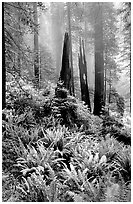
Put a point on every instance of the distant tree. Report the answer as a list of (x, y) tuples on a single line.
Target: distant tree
[(17, 19), (18, 22), (125, 14), (12, 38), (56, 18), (85, 27), (70, 46), (111, 69), (110, 77), (101, 34)]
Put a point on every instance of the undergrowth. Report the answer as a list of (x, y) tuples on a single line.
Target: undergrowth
[(55, 150)]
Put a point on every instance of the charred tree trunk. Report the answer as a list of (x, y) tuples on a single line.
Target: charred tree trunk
[(99, 62), (65, 74), (83, 77), (36, 46)]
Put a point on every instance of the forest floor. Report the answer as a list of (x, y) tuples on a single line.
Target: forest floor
[(55, 150)]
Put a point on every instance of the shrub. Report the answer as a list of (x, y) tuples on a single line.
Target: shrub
[(57, 151), (116, 129)]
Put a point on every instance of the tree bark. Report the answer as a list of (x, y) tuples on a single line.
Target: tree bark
[(36, 46), (99, 62)]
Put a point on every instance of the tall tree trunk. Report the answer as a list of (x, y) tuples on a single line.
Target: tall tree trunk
[(65, 74), (36, 46), (3, 62), (57, 37), (99, 62), (83, 76), (70, 47)]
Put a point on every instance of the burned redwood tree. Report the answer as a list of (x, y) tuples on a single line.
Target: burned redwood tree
[(83, 76), (65, 74)]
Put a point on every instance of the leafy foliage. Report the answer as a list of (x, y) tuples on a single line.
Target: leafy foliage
[(57, 151)]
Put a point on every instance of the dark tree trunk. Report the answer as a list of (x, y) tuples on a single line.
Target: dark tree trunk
[(83, 77), (36, 46), (99, 62), (70, 48), (65, 74), (3, 62)]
